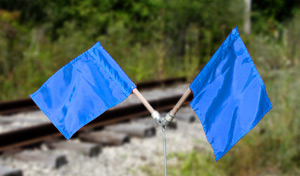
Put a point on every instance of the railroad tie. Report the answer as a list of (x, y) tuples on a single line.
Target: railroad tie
[(88, 149), (8, 171), (48, 159), (185, 117), (6, 120), (133, 130), (105, 138)]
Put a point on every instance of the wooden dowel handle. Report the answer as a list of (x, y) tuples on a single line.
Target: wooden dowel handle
[(180, 102), (143, 100)]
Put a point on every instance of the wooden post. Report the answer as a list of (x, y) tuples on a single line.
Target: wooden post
[(247, 17)]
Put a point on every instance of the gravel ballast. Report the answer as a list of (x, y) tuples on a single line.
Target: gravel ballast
[(125, 160)]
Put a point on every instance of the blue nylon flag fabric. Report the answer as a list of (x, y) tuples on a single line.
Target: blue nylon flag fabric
[(82, 90), (229, 95)]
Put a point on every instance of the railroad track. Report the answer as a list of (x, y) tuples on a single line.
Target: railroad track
[(75, 157), (37, 134), (33, 136)]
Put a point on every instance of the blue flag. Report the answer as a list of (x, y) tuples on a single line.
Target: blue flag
[(229, 95), (82, 90)]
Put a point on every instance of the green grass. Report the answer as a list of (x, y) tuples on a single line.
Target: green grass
[(192, 163)]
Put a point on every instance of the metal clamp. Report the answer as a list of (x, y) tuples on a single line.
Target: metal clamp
[(162, 121), (156, 116), (168, 119)]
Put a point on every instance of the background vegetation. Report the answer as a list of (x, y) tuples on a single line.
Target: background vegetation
[(162, 38)]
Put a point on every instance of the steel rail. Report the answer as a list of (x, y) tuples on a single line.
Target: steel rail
[(23, 105)]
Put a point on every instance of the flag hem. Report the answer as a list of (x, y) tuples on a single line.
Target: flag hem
[(108, 72)]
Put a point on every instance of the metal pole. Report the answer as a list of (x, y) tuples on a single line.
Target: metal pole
[(169, 117), (165, 148)]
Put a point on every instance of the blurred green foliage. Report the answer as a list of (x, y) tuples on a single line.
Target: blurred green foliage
[(269, 15), (149, 39)]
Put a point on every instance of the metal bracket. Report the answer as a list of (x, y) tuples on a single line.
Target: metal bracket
[(162, 121), (156, 116), (168, 119)]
